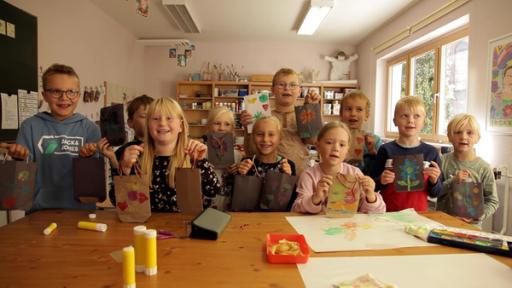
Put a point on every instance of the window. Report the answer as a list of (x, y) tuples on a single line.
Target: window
[(438, 73)]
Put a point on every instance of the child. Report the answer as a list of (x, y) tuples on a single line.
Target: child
[(286, 88), (355, 110), (409, 119), (222, 120), (53, 139), (136, 110), (313, 185), (166, 148), (462, 164)]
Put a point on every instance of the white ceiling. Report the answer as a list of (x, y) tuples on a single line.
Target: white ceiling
[(271, 20)]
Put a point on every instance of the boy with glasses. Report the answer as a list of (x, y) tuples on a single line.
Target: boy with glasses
[(285, 88), (54, 138)]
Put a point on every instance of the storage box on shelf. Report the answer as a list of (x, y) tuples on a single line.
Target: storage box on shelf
[(197, 98)]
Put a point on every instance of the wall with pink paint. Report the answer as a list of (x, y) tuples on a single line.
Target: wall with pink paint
[(161, 72)]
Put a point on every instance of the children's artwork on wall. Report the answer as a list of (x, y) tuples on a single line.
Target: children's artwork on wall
[(408, 172), (343, 195), (89, 180), (356, 148), (17, 179), (467, 200), (360, 231), (188, 190), (112, 124), (142, 7), (258, 105), (132, 198), (500, 108), (220, 149), (172, 52), (182, 60), (277, 191), (309, 120)]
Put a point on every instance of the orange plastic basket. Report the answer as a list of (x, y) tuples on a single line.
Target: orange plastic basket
[(273, 239)]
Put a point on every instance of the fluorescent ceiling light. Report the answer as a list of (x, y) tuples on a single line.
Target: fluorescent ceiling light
[(181, 15), (317, 12)]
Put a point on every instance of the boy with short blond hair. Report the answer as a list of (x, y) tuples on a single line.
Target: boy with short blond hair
[(409, 118), (54, 138), (355, 111), (463, 164)]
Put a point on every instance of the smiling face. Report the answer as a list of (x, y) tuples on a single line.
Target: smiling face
[(223, 123), (409, 120), (463, 139), (354, 112), (164, 128), (266, 137), (286, 89), (61, 105), (333, 146)]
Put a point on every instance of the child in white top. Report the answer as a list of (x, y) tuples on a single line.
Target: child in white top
[(314, 183)]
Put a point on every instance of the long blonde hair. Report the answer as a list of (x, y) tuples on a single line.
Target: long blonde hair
[(170, 107)]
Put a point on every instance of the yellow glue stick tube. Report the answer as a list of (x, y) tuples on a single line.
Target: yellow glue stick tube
[(138, 234), (150, 251), (92, 226), (48, 230), (128, 267)]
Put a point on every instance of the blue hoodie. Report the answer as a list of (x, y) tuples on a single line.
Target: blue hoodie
[(53, 144)]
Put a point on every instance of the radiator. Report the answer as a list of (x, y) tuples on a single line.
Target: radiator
[(501, 221)]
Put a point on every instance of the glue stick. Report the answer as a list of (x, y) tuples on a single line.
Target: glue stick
[(48, 230), (150, 251), (128, 267), (92, 226), (138, 233)]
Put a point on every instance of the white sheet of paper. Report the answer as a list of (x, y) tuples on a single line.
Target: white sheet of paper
[(360, 231), (451, 270), (258, 105), (27, 104), (9, 111)]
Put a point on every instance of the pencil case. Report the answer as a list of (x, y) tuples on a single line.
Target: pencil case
[(209, 224)]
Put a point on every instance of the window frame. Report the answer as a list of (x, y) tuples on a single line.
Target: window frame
[(436, 45)]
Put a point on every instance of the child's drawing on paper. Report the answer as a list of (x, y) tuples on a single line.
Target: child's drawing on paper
[(309, 120), (258, 105), (409, 172), (343, 195), (467, 200), (349, 229), (220, 149)]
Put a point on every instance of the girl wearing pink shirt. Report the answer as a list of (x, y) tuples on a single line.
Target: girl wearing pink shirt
[(313, 185)]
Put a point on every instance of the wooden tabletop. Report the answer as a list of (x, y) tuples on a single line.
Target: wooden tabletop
[(71, 257)]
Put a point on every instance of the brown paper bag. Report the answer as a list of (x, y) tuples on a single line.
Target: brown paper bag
[(344, 195), (355, 154), (277, 191), (246, 193), (132, 198), (89, 180), (17, 179), (188, 190), (467, 200)]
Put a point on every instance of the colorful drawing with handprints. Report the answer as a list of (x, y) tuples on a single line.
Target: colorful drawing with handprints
[(221, 153), (309, 120), (258, 105), (408, 172), (467, 200), (359, 231), (344, 194)]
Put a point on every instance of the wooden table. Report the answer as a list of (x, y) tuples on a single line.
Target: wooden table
[(71, 257)]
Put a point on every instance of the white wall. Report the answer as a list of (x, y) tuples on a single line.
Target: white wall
[(162, 72), (489, 19)]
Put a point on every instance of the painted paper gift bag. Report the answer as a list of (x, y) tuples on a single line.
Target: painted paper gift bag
[(408, 173), (112, 124), (246, 193), (467, 200), (258, 105), (221, 152), (17, 179), (277, 191), (344, 195), (355, 154), (89, 180), (187, 182), (132, 198), (309, 120)]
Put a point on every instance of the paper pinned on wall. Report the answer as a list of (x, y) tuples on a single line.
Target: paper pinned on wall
[(9, 111), (2, 27), (27, 104)]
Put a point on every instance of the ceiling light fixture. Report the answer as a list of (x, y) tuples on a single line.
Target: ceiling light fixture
[(181, 15), (317, 12)]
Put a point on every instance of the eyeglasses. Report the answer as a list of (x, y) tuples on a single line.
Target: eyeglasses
[(57, 93), (283, 85)]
